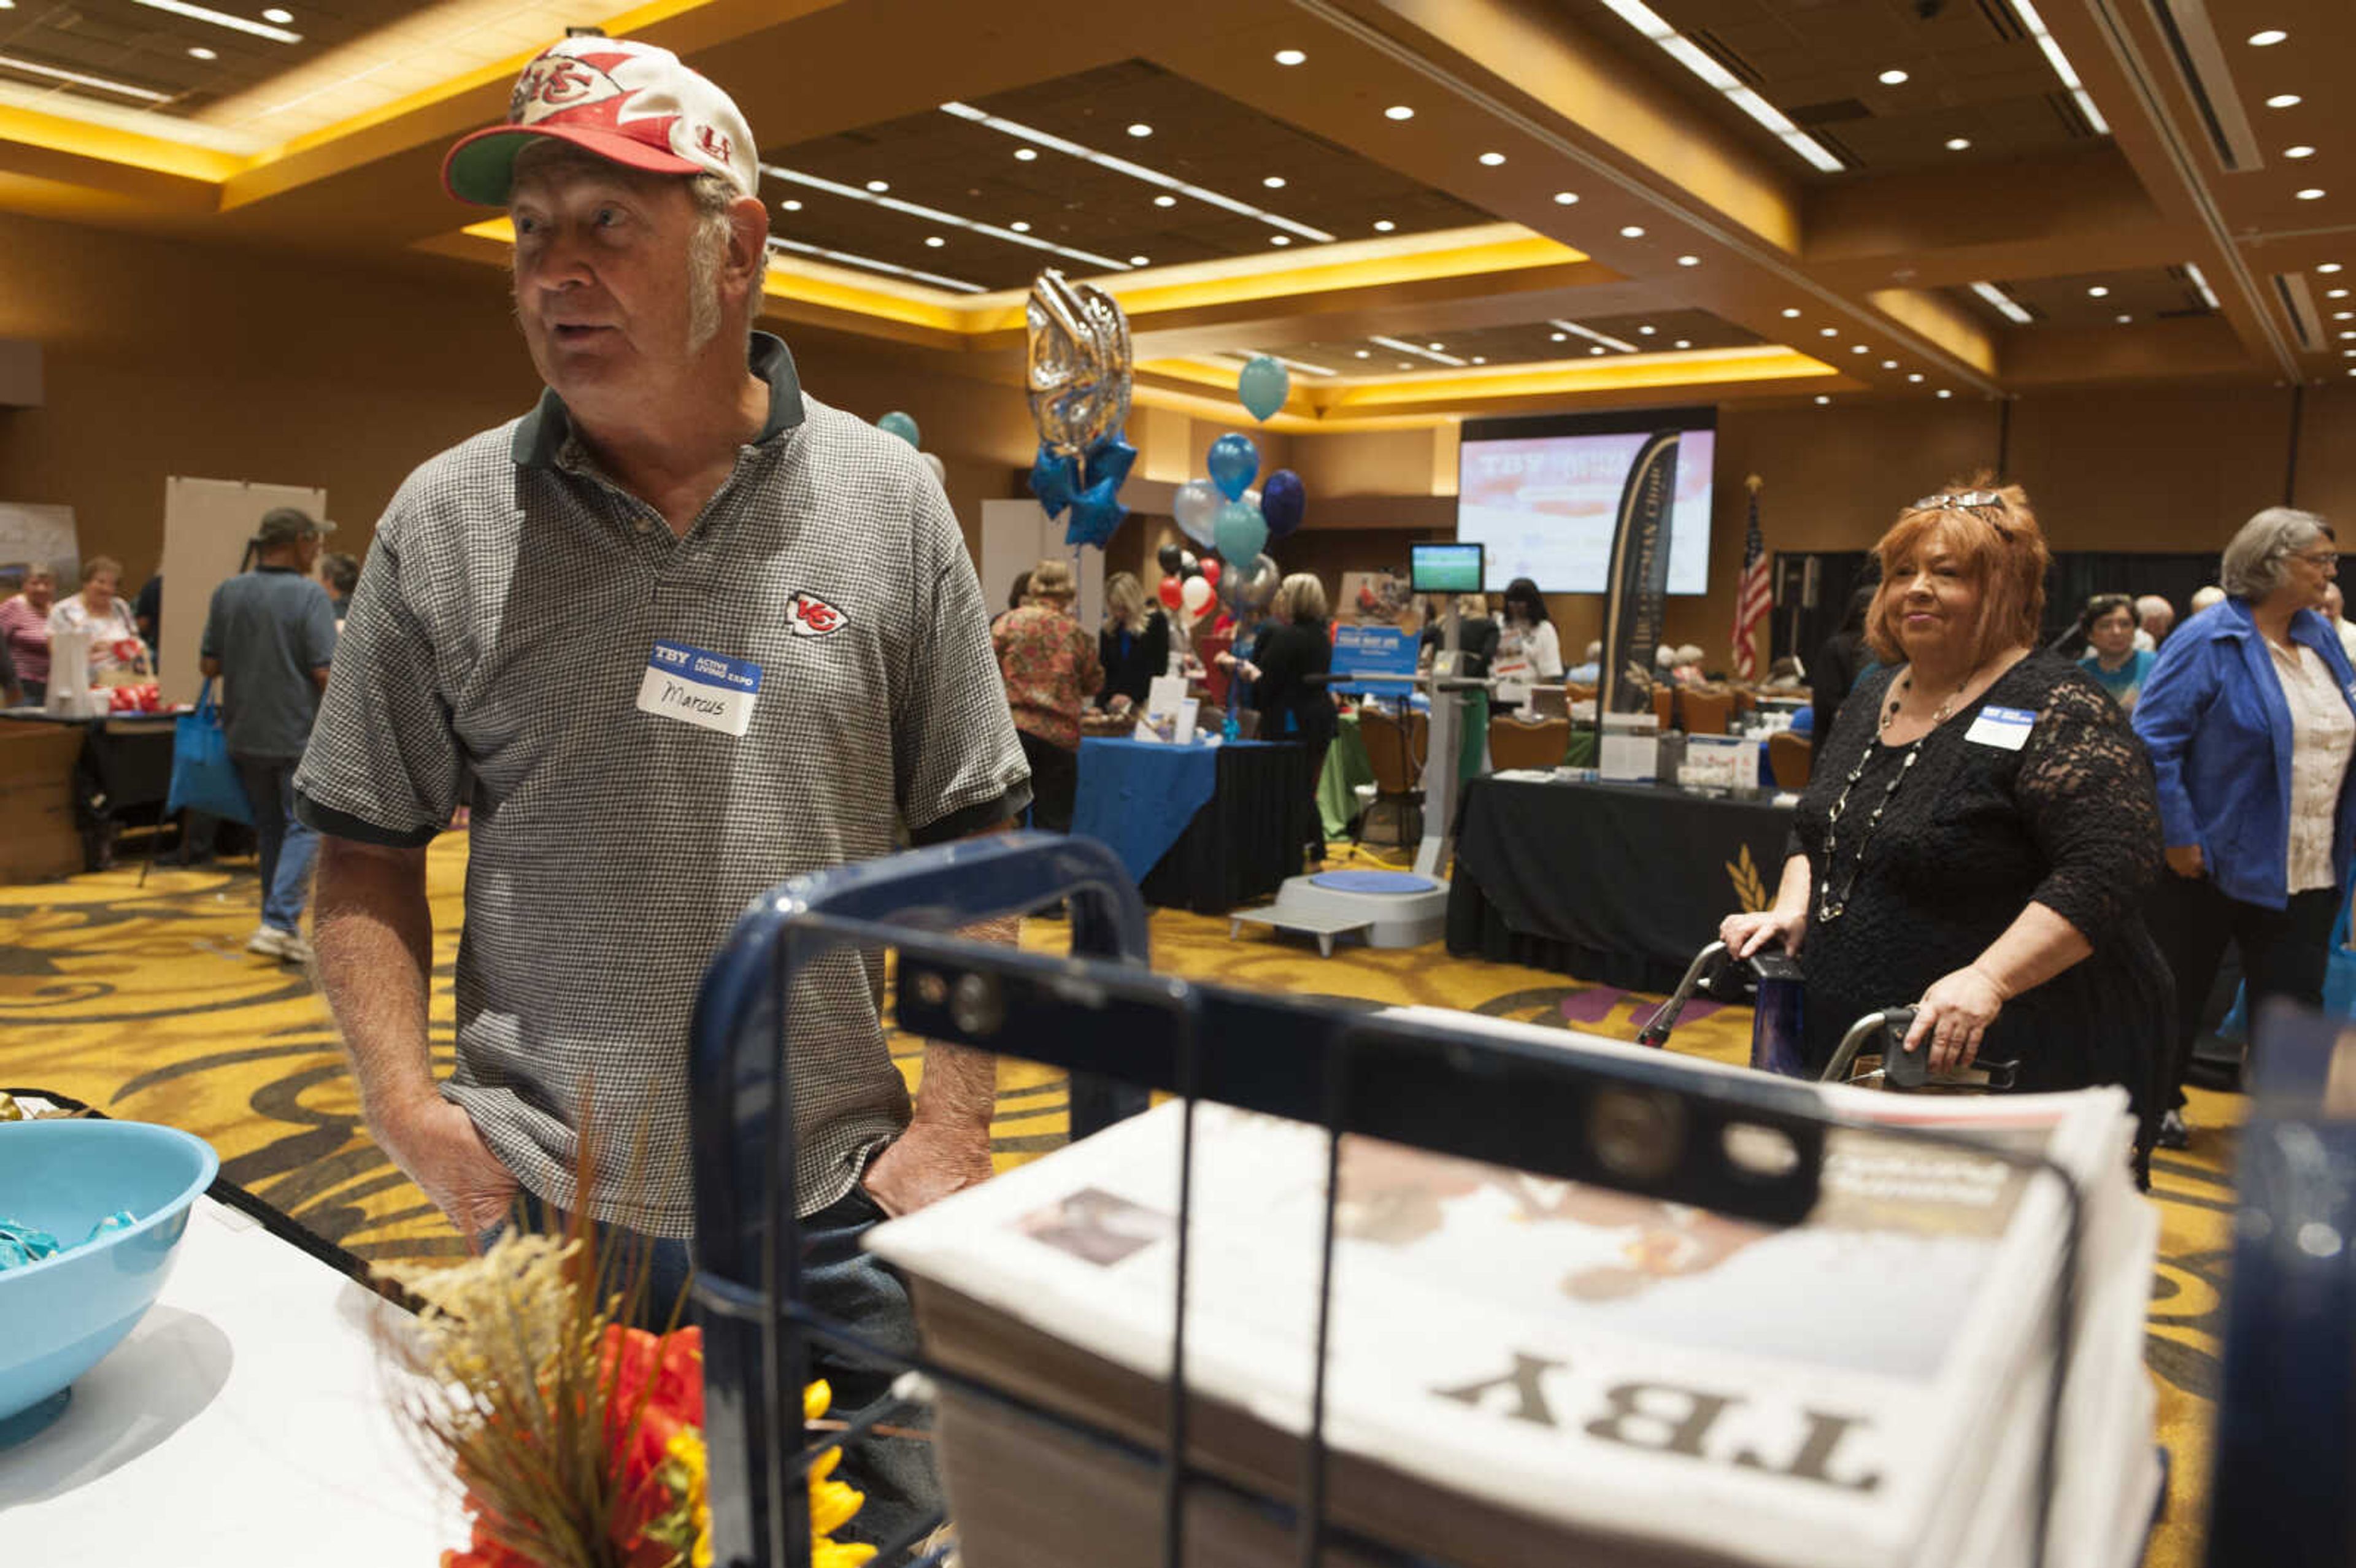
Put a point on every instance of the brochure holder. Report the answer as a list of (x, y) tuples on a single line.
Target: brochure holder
[(1637, 1124)]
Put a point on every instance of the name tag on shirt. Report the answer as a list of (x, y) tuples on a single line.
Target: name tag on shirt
[(709, 690), (2005, 727)]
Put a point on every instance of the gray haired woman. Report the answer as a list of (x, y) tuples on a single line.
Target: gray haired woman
[(2250, 717)]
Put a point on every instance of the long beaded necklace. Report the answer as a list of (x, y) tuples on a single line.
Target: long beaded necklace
[(1829, 907)]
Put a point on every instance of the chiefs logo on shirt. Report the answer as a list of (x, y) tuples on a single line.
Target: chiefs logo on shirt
[(811, 616)]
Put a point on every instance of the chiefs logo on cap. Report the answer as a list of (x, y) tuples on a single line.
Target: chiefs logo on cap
[(555, 83), (811, 616)]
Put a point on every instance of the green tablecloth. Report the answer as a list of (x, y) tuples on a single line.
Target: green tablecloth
[(1346, 768)]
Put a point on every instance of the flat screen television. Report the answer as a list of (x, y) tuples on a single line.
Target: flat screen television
[(1542, 495), (1444, 568)]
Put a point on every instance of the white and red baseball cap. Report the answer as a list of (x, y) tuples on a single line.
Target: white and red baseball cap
[(633, 103)]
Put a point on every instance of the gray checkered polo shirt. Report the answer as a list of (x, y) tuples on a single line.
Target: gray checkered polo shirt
[(505, 622)]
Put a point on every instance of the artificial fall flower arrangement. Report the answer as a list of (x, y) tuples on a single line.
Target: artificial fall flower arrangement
[(578, 1439)]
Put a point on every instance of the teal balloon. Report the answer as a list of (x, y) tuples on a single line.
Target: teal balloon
[(899, 424), (1233, 462), (1240, 531), (1263, 386)]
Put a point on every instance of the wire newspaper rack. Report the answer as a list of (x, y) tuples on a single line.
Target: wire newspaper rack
[(1638, 1124)]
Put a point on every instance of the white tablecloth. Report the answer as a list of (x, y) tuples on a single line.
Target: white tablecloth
[(243, 1422)]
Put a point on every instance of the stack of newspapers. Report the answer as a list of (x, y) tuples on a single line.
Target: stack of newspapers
[(1528, 1370)]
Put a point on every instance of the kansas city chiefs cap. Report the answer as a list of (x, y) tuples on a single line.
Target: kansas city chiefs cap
[(633, 103)]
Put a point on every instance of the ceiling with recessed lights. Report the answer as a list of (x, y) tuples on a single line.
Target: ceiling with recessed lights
[(1429, 208)]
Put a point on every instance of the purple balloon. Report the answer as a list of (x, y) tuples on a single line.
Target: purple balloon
[(1283, 503)]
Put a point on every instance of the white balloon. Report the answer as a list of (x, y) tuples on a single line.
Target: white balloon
[(940, 469), (1195, 594)]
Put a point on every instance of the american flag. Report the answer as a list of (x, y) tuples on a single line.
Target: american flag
[(1753, 596)]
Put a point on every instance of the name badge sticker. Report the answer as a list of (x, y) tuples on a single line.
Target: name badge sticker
[(2005, 727), (709, 690)]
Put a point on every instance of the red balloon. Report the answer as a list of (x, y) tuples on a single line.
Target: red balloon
[(1211, 571), (1171, 591)]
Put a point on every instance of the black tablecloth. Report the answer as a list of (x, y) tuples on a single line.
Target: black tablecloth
[(1620, 884), (1249, 838)]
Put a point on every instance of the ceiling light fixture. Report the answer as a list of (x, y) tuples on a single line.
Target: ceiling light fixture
[(1894, 77), (1557, 337), (1016, 233), (1365, 353), (1959, 144), (1480, 359), (1274, 182), (1433, 354), (1828, 332), (1134, 171), (2282, 100), (2335, 294), (1822, 400), (803, 248), (2268, 38), (276, 15), (1861, 348), (2328, 267), (1691, 55), (223, 19), (1601, 340), (2312, 193), (1436, 348), (1689, 261), (1384, 226), (2299, 152), (789, 205), (1024, 155), (1566, 198), (2343, 316), (934, 242), (2060, 64), (1914, 375), (75, 79), (196, 51), (879, 186), (1597, 349), (1290, 57), (1140, 261), (1491, 160), (2208, 295), (1398, 111), (1280, 239), (1165, 201), (2122, 318), (1019, 226), (1791, 313), (1141, 130), (1945, 392), (2006, 306), (1646, 330), (2098, 291), (1632, 231), (1685, 343), (1890, 364)]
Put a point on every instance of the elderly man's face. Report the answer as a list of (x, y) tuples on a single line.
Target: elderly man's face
[(602, 276)]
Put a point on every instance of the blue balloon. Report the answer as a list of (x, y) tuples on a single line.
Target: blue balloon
[(1233, 461), (899, 424), (1097, 514), (1112, 458), (1241, 533), (1283, 503), (1263, 386), (1055, 479)]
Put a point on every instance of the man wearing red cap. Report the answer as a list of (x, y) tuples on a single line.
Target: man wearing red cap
[(687, 632)]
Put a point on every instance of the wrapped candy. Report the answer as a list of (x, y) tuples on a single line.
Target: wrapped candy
[(21, 1245)]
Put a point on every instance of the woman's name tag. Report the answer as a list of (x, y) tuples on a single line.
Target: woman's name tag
[(709, 690), (2005, 727)]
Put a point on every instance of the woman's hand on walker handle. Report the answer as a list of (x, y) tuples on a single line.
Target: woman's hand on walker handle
[(1747, 933)]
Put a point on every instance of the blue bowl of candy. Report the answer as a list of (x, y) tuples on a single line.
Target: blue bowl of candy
[(92, 1213)]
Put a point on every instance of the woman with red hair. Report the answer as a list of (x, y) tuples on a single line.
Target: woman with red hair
[(1981, 829)]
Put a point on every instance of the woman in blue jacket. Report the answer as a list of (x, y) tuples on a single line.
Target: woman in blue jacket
[(2249, 715)]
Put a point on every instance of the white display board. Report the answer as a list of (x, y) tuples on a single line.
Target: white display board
[(207, 524), (1017, 536), (30, 533)]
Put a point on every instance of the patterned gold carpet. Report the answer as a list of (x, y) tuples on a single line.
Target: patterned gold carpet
[(143, 1001)]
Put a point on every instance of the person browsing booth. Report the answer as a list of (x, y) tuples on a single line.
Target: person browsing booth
[(689, 631)]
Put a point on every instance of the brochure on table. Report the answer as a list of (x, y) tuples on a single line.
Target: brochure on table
[(1169, 712)]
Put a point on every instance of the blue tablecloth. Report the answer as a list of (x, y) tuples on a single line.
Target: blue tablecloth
[(1137, 796)]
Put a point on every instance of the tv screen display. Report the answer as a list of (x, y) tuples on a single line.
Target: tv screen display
[(1542, 495), (1444, 568)]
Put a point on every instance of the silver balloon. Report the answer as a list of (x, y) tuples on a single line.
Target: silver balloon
[(1078, 363)]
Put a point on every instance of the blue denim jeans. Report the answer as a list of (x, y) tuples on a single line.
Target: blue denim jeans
[(865, 1295), (287, 843)]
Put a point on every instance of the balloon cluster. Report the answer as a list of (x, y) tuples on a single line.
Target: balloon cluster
[(1188, 580), (1078, 376), (1224, 513), (905, 427)]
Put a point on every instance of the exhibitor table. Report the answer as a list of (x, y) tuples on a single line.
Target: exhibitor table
[(1201, 828), (124, 773), (1619, 884)]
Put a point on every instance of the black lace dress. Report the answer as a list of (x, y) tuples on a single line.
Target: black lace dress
[(1973, 834)]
